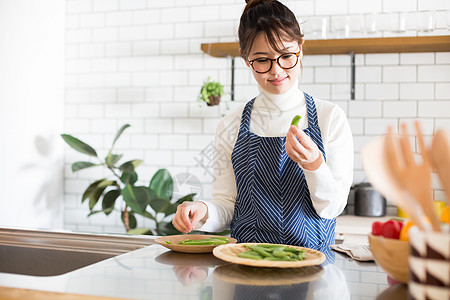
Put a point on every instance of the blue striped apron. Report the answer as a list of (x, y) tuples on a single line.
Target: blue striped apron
[(273, 204)]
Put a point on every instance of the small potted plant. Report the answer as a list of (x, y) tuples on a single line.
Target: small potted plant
[(211, 92)]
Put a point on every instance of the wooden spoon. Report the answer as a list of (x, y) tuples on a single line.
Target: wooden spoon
[(440, 156), (376, 167), (411, 176)]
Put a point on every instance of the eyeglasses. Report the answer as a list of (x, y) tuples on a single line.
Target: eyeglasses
[(285, 61)]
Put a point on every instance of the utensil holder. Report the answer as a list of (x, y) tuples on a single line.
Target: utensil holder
[(429, 265)]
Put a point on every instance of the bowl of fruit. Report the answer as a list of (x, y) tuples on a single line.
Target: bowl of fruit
[(390, 247)]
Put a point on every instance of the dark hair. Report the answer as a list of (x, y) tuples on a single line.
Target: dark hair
[(271, 18)]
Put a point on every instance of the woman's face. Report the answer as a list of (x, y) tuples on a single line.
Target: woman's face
[(277, 80)]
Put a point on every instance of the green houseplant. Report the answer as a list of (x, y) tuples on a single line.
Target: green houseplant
[(211, 92), (153, 201)]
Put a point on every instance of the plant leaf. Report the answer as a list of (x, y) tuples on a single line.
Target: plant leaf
[(79, 145), (170, 209), (79, 165), (143, 195), (94, 212), (188, 197), (106, 211), (162, 184), (130, 198), (130, 165), (139, 231), (136, 163), (109, 200), (112, 159), (95, 195), (167, 228), (132, 222), (149, 216), (119, 133), (159, 204), (129, 177), (90, 189), (137, 198)]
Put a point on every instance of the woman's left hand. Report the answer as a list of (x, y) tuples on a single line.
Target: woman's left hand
[(302, 149)]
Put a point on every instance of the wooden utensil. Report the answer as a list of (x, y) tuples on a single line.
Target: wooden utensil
[(413, 177), (376, 167), (440, 156)]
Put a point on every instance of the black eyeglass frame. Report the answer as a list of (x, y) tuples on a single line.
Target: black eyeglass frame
[(297, 54)]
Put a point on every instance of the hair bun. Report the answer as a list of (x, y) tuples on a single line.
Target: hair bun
[(257, 1)]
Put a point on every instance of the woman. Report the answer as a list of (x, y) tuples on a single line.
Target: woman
[(271, 186)]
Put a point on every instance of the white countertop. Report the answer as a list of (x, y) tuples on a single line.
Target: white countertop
[(138, 274), (355, 229)]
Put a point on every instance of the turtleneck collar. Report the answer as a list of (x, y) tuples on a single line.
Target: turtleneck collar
[(280, 102)]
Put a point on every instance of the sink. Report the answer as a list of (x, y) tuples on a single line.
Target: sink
[(50, 253)]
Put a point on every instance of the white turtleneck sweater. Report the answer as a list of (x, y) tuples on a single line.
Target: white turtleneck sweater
[(271, 116)]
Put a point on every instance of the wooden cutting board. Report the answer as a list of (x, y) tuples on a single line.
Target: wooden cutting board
[(7, 293)]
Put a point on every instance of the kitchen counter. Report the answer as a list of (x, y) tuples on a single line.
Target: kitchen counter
[(355, 229), (154, 272)]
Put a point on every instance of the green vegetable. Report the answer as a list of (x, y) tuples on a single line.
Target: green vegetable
[(203, 242), (301, 256), (279, 252), (272, 252), (250, 254), (223, 238), (295, 120), (273, 258), (260, 250), (216, 240), (167, 242)]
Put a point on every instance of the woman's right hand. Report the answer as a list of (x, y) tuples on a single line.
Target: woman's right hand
[(189, 214)]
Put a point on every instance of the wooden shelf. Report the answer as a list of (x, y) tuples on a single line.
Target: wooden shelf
[(439, 43), (344, 46)]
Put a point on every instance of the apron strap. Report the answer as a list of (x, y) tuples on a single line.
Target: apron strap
[(246, 116), (313, 129)]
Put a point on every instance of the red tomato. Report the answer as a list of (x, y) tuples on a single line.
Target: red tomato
[(400, 224), (377, 228), (391, 229)]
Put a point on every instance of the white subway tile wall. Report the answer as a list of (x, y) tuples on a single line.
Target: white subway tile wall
[(140, 62)]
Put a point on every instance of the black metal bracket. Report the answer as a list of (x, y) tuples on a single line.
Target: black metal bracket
[(352, 74)]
